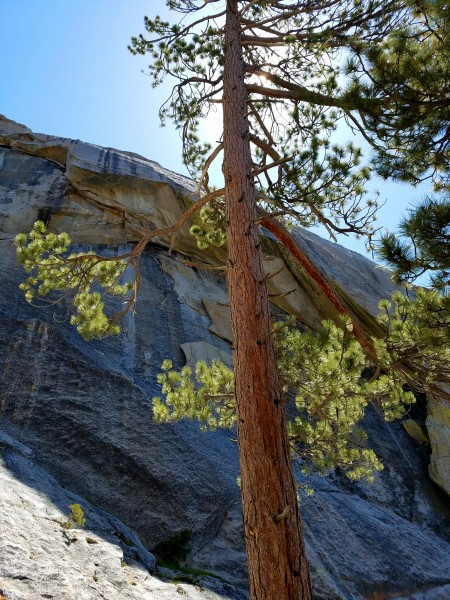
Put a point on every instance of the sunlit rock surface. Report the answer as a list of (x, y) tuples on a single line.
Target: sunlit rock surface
[(438, 425), (41, 558), (84, 409)]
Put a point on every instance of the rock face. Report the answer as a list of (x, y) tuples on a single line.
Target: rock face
[(438, 425), (83, 410), (40, 558)]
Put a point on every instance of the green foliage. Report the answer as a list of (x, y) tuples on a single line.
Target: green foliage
[(126, 540), (325, 372), (209, 400), (331, 397), (423, 244), (175, 50), (53, 268), (314, 181), (393, 86), (411, 64), (75, 518), (210, 227), (417, 343)]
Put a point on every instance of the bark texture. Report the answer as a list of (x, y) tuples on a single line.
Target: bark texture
[(272, 525)]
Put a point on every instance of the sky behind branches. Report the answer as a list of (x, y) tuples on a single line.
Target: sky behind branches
[(66, 71)]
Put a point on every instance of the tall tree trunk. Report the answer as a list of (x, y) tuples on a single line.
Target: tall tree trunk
[(272, 525)]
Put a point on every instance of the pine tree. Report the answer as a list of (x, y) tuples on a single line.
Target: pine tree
[(276, 146)]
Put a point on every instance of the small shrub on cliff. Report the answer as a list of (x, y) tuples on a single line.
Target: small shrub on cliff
[(75, 518)]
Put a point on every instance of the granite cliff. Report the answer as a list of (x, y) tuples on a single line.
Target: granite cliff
[(75, 417)]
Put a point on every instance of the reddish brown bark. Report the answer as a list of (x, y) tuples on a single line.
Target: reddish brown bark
[(272, 525), (283, 236)]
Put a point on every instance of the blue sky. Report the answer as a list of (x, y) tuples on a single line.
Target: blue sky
[(66, 70)]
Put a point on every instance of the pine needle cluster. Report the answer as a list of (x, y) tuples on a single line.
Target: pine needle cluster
[(423, 243), (210, 227), (86, 276), (325, 372), (417, 343)]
